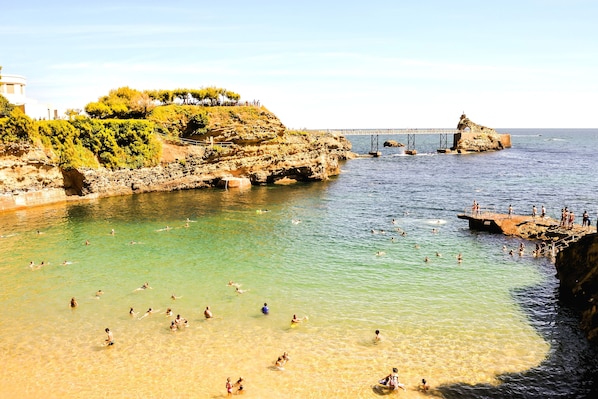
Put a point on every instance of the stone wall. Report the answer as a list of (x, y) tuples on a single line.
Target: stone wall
[(577, 271)]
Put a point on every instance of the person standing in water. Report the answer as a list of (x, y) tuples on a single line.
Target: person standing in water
[(265, 309), (109, 338)]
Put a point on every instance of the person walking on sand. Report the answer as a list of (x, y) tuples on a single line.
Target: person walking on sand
[(229, 387)]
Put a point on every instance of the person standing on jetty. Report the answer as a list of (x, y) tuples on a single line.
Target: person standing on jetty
[(510, 211)]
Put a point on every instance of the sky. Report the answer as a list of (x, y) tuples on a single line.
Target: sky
[(322, 64)]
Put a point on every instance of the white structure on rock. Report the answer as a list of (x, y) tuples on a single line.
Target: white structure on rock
[(12, 87)]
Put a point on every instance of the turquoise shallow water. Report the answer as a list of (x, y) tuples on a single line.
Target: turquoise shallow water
[(311, 251)]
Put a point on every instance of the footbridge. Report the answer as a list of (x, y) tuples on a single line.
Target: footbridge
[(411, 133)]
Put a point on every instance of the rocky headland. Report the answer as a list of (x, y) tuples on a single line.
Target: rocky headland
[(243, 142), (478, 138)]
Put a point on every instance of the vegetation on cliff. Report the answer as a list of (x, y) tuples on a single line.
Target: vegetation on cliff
[(119, 132), (85, 142)]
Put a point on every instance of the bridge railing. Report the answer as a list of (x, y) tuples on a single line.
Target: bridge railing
[(204, 143), (364, 132)]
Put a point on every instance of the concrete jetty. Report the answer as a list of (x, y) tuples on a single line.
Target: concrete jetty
[(527, 227)]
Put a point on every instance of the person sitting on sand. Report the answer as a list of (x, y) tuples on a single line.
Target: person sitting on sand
[(424, 386), (279, 363), (392, 380)]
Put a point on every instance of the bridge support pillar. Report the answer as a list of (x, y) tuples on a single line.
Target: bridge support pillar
[(374, 145)]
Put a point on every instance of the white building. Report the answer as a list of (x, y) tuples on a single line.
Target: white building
[(13, 88)]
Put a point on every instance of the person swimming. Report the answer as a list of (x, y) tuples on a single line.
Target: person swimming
[(145, 286), (296, 320), (208, 313), (74, 303), (149, 312)]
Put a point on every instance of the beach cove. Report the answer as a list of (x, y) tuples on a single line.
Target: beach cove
[(312, 253)]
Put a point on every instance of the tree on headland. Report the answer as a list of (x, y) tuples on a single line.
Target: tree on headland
[(71, 113), (122, 103), (128, 103), (17, 127), (5, 107)]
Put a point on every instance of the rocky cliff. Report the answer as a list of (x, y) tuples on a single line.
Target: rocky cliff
[(257, 147), (577, 271), (478, 138)]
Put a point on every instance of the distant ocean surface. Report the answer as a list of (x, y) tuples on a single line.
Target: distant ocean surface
[(489, 327)]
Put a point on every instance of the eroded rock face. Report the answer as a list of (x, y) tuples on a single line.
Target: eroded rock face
[(577, 271), (478, 138), (263, 151)]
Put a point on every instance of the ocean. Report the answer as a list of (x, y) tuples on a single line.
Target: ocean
[(349, 254)]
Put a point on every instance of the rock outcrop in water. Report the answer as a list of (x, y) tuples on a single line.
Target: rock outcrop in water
[(478, 138), (258, 148), (577, 271)]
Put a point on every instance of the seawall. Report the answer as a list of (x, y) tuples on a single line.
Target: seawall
[(577, 271)]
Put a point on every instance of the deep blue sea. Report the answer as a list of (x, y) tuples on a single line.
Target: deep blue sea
[(348, 253)]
